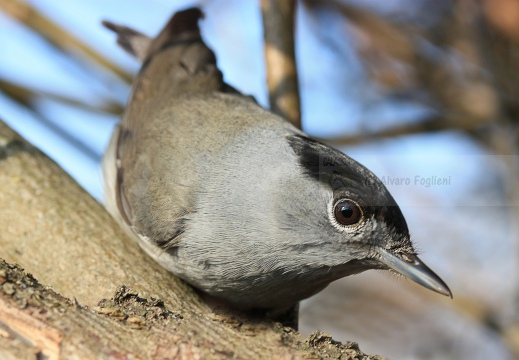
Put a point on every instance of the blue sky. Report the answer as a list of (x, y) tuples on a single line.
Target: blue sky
[(468, 214)]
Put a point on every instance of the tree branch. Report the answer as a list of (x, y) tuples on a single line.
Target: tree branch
[(25, 96), (429, 125), (63, 237), (278, 27), (56, 35)]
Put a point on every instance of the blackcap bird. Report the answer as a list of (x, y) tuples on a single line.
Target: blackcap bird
[(234, 199)]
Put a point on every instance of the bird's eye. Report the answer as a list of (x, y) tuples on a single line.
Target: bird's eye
[(347, 212)]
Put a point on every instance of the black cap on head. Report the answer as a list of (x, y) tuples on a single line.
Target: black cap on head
[(345, 175)]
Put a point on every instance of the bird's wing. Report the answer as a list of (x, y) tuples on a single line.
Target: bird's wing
[(150, 190)]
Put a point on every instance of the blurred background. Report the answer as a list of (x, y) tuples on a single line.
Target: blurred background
[(425, 93)]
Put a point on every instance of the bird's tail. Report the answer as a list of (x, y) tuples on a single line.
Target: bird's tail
[(175, 62), (182, 26)]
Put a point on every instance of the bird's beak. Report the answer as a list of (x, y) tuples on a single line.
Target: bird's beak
[(415, 270)]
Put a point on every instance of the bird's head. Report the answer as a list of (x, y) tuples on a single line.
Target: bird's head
[(357, 215)]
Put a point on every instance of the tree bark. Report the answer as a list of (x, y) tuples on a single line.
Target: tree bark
[(58, 233)]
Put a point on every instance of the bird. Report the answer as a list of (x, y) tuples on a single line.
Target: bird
[(234, 199)]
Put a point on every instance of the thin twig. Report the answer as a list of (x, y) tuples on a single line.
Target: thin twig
[(278, 25), (78, 143), (431, 124), (56, 35), (25, 96)]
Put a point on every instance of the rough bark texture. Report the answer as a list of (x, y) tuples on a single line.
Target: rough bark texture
[(58, 233)]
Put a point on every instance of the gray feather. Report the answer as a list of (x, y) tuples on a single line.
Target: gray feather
[(227, 195)]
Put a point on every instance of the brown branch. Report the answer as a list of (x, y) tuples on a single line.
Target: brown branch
[(278, 25), (57, 232), (56, 35), (40, 321), (432, 124)]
